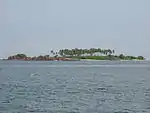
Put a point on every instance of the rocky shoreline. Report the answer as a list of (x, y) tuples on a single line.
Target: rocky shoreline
[(48, 59)]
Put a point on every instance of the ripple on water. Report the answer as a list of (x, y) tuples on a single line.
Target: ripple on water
[(79, 89)]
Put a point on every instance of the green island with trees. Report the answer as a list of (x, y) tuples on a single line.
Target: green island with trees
[(77, 54)]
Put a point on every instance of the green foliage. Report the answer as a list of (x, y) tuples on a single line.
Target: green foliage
[(21, 56), (77, 53), (80, 52), (96, 57), (141, 58), (18, 56), (121, 56)]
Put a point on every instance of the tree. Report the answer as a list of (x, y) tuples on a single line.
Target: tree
[(140, 58), (61, 52), (109, 51), (92, 51), (121, 56), (21, 56), (113, 51), (52, 52)]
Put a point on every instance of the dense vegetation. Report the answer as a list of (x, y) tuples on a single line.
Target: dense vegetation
[(96, 53), (92, 53)]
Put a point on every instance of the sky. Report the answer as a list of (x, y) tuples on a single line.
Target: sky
[(35, 27)]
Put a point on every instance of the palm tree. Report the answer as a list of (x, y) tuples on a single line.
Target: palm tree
[(113, 51), (61, 52), (109, 51), (52, 52), (91, 51)]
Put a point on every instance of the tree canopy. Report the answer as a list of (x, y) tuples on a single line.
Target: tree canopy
[(78, 53)]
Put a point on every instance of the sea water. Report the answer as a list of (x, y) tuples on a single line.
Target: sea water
[(74, 87)]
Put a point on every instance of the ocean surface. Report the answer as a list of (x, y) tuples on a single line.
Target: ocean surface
[(75, 87)]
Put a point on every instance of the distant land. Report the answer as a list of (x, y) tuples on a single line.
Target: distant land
[(76, 54)]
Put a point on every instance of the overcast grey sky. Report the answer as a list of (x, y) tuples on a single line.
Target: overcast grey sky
[(35, 27)]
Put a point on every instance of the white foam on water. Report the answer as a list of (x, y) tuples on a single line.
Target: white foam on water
[(34, 74)]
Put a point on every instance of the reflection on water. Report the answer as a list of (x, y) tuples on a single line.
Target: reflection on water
[(94, 87)]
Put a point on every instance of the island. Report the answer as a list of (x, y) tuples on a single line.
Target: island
[(77, 54)]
